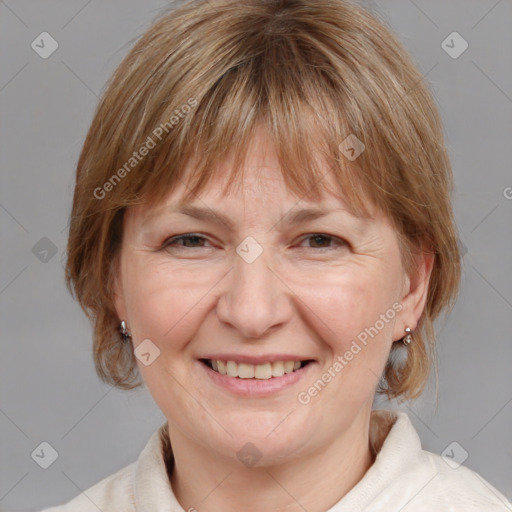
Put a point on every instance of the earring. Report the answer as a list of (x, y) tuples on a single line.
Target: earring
[(407, 338), (399, 353), (124, 332)]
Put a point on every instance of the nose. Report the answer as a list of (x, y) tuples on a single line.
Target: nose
[(255, 300)]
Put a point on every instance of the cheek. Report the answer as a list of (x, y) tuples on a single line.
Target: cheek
[(167, 302), (163, 302), (343, 306)]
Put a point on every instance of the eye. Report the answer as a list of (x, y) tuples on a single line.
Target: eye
[(322, 239), (195, 241), (190, 240)]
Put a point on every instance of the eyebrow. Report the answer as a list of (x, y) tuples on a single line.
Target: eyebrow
[(291, 218)]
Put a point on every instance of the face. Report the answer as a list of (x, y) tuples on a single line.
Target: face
[(258, 288)]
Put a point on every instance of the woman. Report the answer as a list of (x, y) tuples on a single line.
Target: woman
[(264, 317)]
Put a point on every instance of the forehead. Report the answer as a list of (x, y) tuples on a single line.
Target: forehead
[(260, 178), (274, 209), (261, 190)]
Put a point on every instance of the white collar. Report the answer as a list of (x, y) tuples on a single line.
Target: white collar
[(391, 433)]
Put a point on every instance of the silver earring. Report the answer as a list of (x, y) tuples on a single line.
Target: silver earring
[(407, 338), (124, 332), (399, 353)]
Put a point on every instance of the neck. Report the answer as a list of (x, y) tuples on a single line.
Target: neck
[(208, 481)]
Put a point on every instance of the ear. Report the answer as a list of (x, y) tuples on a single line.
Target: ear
[(414, 293)]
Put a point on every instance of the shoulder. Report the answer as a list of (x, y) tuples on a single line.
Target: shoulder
[(406, 477), (113, 493), (460, 486), (143, 481), (435, 482)]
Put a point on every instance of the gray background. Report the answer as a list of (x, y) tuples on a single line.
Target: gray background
[(49, 391)]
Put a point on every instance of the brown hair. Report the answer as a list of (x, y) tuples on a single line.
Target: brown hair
[(196, 84)]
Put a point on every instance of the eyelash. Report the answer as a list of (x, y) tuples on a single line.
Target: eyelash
[(171, 241)]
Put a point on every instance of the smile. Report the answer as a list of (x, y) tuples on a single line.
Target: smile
[(263, 371), (255, 381)]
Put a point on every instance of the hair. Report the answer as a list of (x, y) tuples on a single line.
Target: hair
[(312, 72)]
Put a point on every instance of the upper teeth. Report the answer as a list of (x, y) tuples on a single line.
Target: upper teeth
[(251, 371)]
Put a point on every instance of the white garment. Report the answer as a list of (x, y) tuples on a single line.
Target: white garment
[(404, 478)]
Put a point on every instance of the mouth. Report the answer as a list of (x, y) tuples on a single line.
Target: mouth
[(265, 371)]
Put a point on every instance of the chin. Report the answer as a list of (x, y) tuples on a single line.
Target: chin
[(271, 437)]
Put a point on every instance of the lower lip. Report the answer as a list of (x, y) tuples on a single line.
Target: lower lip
[(256, 387)]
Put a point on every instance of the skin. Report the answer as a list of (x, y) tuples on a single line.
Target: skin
[(302, 296)]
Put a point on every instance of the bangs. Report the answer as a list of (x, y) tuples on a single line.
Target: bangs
[(277, 84)]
